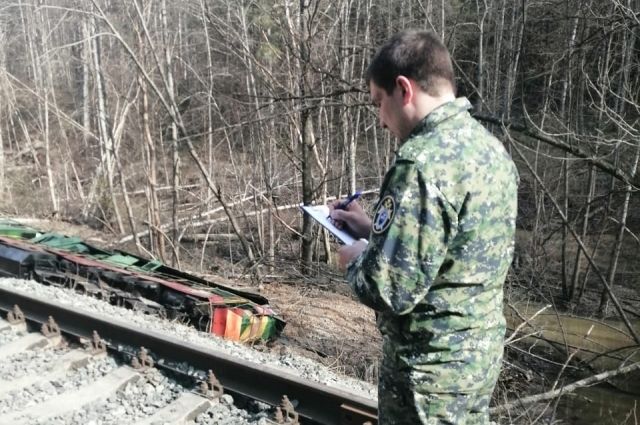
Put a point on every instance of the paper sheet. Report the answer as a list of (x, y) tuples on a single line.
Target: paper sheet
[(320, 213)]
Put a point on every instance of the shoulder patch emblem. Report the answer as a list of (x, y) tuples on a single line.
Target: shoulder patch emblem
[(384, 214)]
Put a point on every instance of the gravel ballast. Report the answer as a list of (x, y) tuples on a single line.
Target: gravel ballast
[(285, 360), (29, 362), (135, 402), (9, 334), (31, 396)]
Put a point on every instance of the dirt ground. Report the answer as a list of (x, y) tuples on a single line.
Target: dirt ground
[(328, 326)]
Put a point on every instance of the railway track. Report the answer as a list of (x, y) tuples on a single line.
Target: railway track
[(54, 383), (143, 377)]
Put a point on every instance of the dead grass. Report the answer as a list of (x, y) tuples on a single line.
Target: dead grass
[(333, 328)]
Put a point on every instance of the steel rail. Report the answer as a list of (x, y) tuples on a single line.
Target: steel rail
[(315, 403)]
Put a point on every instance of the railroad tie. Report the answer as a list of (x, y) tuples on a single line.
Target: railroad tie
[(71, 360), (27, 342), (64, 403), (183, 409)]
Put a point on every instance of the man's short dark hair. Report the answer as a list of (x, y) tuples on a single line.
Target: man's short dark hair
[(418, 55)]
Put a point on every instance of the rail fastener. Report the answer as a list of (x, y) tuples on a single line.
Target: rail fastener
[(211, 388), (97, 346), (16, 316), (50, 329), (143, 361), (286, 413)]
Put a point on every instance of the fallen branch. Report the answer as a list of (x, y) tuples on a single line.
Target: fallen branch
[(587, 382), (199, 222), (166, 226), (212, 221), (601, 164), (208, 237)]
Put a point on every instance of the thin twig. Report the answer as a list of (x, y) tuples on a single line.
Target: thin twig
[(524, 323)]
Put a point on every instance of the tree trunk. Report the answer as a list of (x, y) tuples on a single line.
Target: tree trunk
[(565, 106), (480, 75), (33, 27), (175, 153)]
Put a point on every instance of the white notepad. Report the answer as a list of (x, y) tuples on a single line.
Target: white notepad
[(320, 213)]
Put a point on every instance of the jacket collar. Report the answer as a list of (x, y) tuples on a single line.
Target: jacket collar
[(440, 114)]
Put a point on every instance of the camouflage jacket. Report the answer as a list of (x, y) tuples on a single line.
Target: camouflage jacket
[(442, 237)]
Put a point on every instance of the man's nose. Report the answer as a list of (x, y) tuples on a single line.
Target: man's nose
[(382, 123)]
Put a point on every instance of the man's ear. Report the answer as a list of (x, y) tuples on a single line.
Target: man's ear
[(406, 88)]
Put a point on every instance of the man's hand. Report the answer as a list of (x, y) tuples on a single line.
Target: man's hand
[(348, 253), (353, 218)]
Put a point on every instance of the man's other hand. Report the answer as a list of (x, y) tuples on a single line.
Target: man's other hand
[(353, 218), (348, 253)]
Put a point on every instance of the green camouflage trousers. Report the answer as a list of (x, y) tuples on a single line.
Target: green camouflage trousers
[(430, 394)]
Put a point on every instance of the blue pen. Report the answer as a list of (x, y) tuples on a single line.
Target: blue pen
[(344, 204)]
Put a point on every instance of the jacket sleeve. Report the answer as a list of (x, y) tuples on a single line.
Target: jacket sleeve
[(412, 225)]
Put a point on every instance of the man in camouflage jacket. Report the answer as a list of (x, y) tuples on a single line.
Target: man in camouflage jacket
[(440, 242)]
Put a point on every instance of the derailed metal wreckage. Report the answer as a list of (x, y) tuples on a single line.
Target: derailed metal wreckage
[(130, 281)]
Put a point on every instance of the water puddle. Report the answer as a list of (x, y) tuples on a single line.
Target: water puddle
[(603, 346), (600, 405)]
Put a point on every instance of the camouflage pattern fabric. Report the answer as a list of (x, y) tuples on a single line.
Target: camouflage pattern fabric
[(439, 250)]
